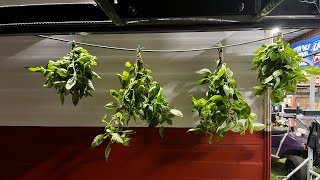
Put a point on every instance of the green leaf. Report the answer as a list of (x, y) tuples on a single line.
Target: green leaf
[(107, 151), (176, 112), (115, 94), (154, 90), (71, 82), (161, 131), (84, 59), (268, 79), (227, 90), (75, 98), (51, 65), (221, 71), (128, 64), (62, 98), (260, 90), (261, 49), (195, 130), (36, 69), (110, 105), (277, 73), (216, 98), (204, 71), (97, 140), (312, 70), (258, 126), (116, 138), (202, 81), (62, 72), (128, 132), (169, 121), (125, 76), (277, 82), (95, 75), (90, 85)]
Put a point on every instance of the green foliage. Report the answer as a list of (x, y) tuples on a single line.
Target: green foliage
[(71, 74), (223, 109), (278, 69), (140, 97)]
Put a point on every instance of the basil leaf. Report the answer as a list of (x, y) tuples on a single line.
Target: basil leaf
[(97, 140), (64, 73), (71, 82)]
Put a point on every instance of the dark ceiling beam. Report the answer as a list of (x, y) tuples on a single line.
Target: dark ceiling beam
[(108, 9), (109, 27), (267, 10)]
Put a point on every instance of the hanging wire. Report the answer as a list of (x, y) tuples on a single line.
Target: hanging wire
[(166, 50), (312, 2)]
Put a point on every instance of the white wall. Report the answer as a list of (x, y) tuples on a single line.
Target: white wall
[(23, 101)]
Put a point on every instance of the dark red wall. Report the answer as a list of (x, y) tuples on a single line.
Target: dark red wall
[(65, 153)]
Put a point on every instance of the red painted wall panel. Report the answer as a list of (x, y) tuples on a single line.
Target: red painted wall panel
[(65, 153)]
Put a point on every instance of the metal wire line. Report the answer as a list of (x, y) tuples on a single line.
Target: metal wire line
[(165, 50)]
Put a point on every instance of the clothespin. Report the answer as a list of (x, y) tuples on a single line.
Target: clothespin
[(278, 36), (139, 58), (220, 52), (71, 43)]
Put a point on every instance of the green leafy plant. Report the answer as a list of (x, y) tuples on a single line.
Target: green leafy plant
[(224, 108), (70, 74), (278, 69), (140, 97)]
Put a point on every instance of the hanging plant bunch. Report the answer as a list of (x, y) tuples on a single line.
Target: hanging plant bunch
[(224, 108), (140, 97), (71, 74), (278, 69)]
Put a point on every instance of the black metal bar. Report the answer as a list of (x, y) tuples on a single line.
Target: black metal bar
[(108, 9), (312, 54), (109, 27), (48, 4), (189, 20), (257, 6), (267, 9)]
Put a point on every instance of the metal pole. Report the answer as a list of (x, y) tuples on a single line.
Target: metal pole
[(267, 121), (296, 169), (312, 91), (310, 163)]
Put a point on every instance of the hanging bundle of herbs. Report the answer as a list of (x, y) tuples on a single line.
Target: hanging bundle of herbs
[(224, 108), (140, 97), (278, 69), (71, 74)]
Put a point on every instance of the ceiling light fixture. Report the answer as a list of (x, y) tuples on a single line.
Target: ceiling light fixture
[(275, 30)]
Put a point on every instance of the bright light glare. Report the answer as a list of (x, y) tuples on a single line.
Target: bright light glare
[(275, 30)]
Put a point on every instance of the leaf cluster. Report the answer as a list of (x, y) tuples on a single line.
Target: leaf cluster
[(278, 69), (224, 108), (140, 97), (71, 74)]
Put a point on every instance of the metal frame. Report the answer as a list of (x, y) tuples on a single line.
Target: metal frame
[(308, 160), (108, 9), (267, 10)]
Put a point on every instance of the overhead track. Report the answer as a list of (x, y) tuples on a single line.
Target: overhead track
[(267, 10), (108, 9)]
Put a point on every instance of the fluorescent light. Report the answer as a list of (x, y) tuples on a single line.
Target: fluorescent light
[(275, 30)]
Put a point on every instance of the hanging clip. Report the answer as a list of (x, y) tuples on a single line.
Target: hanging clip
[(279, 36), (139, 58), (73, 44), (220, 52)]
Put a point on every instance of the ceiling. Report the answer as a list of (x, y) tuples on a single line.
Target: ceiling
[(118, 16)]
